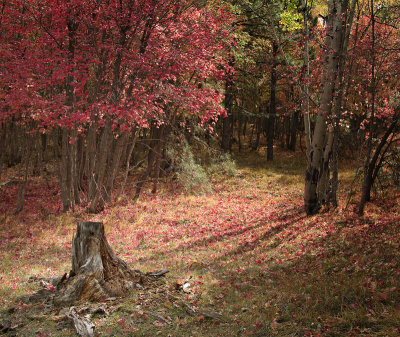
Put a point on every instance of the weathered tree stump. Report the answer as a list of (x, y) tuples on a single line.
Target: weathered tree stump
[(97, 273)]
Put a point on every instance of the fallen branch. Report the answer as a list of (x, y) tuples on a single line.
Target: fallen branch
[(158, 273), (160, 318)]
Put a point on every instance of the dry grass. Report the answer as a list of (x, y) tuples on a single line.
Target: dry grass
[(252, 255)]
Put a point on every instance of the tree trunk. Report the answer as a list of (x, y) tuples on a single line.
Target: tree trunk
[(272, 106), (239, 130), (158, 156), (3, 131), (64, 171), (128, 160), (227, 121), (154, 135), (305, 97), (120, 145), (100, 168), (336, 29), (323, 184), (372, 167), (97, 273), (259, 127), (293, 130), (91, 150), (24, 180), (338, 108)]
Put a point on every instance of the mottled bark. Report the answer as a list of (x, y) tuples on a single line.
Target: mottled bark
[(323, 184), (336, 28), (338, 106)]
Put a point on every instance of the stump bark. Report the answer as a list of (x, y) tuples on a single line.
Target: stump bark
[(97, 273)]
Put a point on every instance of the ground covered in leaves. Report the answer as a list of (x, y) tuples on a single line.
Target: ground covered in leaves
[(244, 260)]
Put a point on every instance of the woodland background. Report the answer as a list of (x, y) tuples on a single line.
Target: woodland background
[(250, 146)]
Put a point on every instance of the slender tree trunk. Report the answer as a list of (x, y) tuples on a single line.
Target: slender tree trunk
[(251, 135), (372, 168), (150, 160), (91, 150), (370, 164), (272, 106), (323, 184), (82, 162), (100, 168), (120, 145), (127, 165), (338, 107), (228, 102), (26, 158), (259, 122), (3, 132), (65, 171), (44, 141), (293, 130), (333, 45), (239, 131), (306, 100)]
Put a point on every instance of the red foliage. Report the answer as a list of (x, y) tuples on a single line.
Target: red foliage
[(66, 63)]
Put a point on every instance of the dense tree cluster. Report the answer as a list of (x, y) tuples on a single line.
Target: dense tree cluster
[(103, 86)]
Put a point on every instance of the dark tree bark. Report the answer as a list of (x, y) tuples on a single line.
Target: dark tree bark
[(227, 121), (91, 150), (151, 156), (272, 106), (64, 171), (120, 145), (294, 122), (24, 179), (97, 273), (3, 131), (100, 168), (128, 160), (372, 167), (239, 130), (158, 156), (259, 127)]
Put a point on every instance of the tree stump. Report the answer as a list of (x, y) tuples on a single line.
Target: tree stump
[(97, 273)]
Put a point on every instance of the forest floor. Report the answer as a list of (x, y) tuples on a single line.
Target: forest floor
[(255, 264)]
